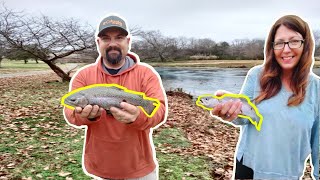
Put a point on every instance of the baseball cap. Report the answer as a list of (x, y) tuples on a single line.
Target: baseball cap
[(113, 21)]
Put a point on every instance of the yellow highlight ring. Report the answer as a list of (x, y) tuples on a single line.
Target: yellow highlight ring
[(258, 126), (156, 104)]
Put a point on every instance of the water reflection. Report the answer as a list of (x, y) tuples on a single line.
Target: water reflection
[(197, 81)]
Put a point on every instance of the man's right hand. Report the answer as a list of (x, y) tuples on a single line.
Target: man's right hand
[(89, 112)]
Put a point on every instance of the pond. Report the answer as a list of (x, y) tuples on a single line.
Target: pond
[(197, 81)]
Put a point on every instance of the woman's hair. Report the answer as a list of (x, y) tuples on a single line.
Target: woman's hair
[(270, 79)]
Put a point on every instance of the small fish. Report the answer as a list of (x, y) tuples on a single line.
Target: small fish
[(108, 95), (248, 109)]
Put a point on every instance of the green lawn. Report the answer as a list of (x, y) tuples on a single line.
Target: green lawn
[(174, 166), (11, 64)]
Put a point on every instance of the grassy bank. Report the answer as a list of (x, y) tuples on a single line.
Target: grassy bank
[(17, 66), (209, 63), (8, 66), (214, 63), (37, 143)]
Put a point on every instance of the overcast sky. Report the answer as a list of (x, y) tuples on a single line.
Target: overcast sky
[(220, 20)]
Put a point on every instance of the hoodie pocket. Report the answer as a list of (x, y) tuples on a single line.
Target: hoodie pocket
[(114, 157)]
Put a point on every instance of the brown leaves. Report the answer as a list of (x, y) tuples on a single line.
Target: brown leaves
[(11, 165), (32, 121), (32, 127), (64, 174), (209, 137)]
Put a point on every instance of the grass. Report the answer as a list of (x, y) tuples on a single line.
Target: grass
[(36, 141), (172, 137), (174, 166), (8, 66), (41, 152), (11, 64)]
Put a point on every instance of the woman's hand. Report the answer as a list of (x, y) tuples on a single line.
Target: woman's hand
[(228, 111)]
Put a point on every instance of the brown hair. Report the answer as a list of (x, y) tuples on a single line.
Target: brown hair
[(270, 79)]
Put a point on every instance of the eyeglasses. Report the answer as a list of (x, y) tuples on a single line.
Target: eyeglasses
[(293, 44)]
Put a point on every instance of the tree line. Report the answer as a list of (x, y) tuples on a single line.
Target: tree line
[(153, 45), (23, 37)]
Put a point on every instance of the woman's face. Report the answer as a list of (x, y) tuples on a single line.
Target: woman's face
[(287, 57)]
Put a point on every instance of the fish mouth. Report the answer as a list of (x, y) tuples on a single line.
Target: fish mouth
[(68, 102)]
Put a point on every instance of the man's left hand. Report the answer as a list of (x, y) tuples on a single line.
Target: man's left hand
[(127, 114)]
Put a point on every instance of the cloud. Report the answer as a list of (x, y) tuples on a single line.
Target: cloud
[(219, 20)]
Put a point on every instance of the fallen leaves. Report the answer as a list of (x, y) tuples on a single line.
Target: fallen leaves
[(209, 137), (31, 127), (64, 174), (31, 121), (11, 165)]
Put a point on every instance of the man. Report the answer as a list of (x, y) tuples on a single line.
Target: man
[(117, 144)]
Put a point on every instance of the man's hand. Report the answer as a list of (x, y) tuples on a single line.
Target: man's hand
[(127, 114), (228, 111), (89, 112)]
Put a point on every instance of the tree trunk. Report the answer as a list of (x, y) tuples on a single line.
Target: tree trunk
[(37, 61), (0, 61), (64, 76), (162, 58), (25, 61)]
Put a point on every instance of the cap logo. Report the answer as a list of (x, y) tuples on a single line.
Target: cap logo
[(114, 22)]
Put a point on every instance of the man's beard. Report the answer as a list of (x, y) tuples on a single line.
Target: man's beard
[(113, 59)]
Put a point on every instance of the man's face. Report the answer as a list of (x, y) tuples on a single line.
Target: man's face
[(113, 45)]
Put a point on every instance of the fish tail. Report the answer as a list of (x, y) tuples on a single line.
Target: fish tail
[(256, 118), (149, 106)]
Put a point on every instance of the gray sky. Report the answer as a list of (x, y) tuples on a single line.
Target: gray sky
[(220, 20)]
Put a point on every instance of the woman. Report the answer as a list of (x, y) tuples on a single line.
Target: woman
[(287, 94)]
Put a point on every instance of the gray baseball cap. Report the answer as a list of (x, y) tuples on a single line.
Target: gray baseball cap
[(113, 21)]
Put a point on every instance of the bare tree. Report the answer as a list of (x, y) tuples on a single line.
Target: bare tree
[(160, 45), (18, 54), (237, 48), (254, 49), (44, 38), (2, 50), (135, 30)]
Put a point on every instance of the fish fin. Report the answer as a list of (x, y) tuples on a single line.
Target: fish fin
[(116, 88)]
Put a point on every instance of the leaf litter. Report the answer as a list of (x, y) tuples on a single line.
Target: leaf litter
[(33, 130)]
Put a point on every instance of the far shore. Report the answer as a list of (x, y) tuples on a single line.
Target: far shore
[(214, 63), (9, 67)]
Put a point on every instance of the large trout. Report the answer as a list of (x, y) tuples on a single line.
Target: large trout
[(108, 95)]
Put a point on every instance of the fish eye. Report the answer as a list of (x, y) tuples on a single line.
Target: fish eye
[(72, 99)]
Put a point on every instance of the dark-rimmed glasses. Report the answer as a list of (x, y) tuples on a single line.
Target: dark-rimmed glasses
[(293, 44)]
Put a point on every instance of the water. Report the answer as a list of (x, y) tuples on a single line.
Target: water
[(197, 81)]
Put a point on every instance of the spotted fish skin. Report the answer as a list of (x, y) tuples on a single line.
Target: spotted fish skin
[(246, 109), (107, 97)]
